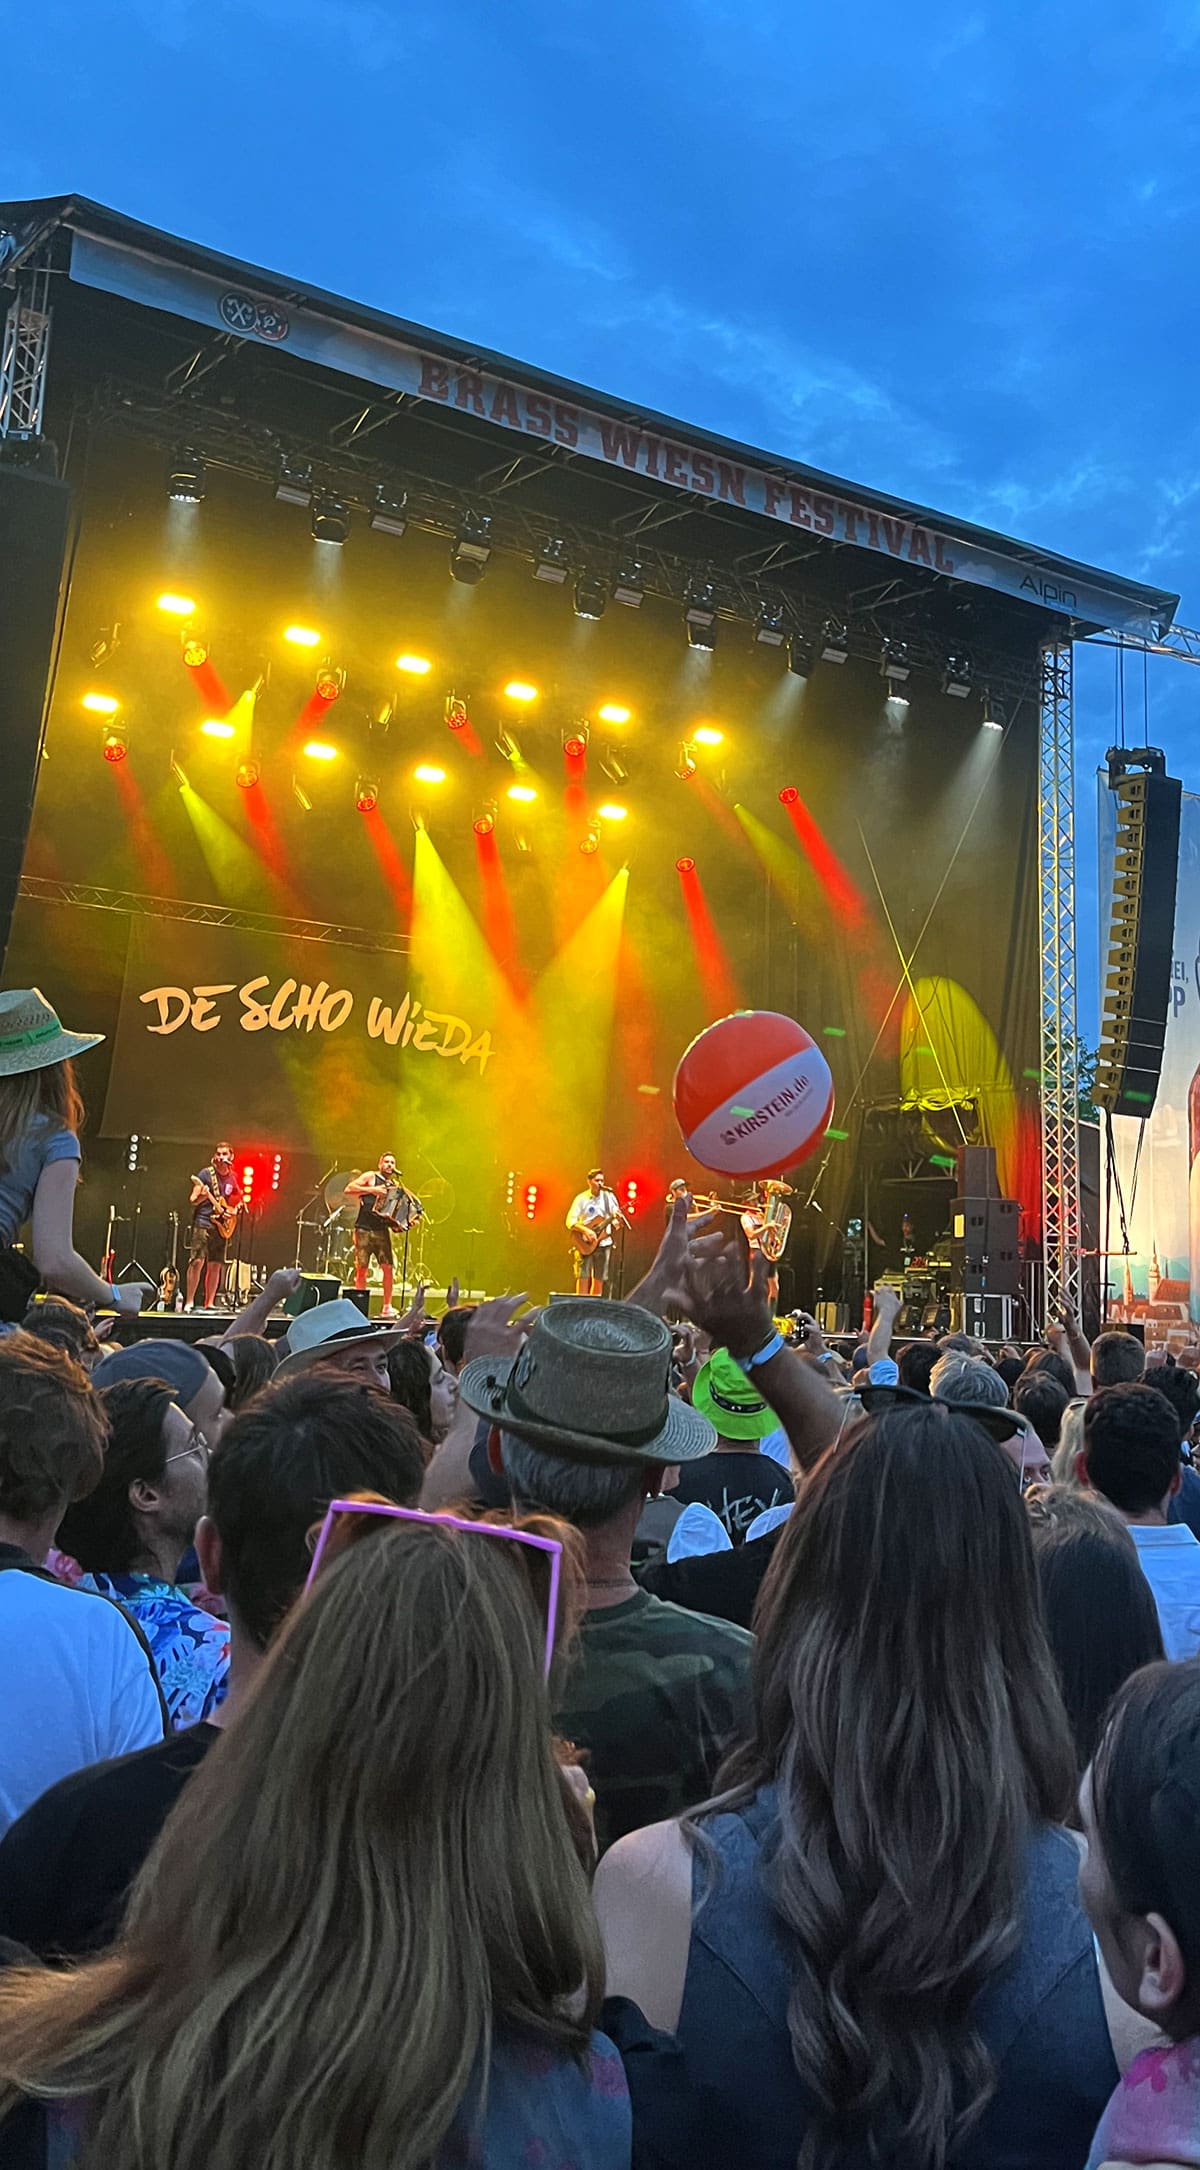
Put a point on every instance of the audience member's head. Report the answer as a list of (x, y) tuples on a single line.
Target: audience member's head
[(1008, 1368), (1099, 1611), (253, 1359), (908, 1532), (1131, 1449), (410, 1378), (294, 1448), (142, 1515), (1041, 1397), (452, 1335), (1117, 1359), (1141, 1818), (218, 1359), (961, 1379), (1065, 1460), (1054, 1366), (52, 1435), (332, 1858), (337, 1340), (915, 1364), (198, 1389), (1182, 1389), (65, 1326), (965, 1344)]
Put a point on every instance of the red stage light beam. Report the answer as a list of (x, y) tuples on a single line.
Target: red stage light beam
[(717, 977), (499, 919), (153, 862), (390, 864), (211, 688), (846, 899)]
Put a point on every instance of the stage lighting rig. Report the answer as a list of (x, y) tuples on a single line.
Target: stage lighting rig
[(329, 519), (702, 636), (185, 482), (589, 842), (613, 766), (114, 744), (591, 596), (553, 561), (700, 602), (485, 819), (457, 715), (894, 664), (389, 510), (294, 485), (508, 749), (194, 647), (789, 796), (106, 643), (248, 774), (685, 767), (329, 683), (366, 794), (956, 677), (835, 641), (801, 656), (471, 548), (770, 624), (629, 586), (992, 718), (575, 740), (685, 866)]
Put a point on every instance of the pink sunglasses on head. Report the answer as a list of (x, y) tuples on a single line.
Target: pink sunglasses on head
[(454, 1522)]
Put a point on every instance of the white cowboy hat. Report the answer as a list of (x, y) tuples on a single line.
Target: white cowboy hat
[(593, 1380), (329, 1327), (31, 1036)]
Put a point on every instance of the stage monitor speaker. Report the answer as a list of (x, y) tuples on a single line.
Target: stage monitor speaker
[(977, 1172), (315, 1288), (1137, 983), (359, 1297), (34, 520)]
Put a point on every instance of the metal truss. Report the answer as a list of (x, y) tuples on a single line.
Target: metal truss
[(1060, 1080), (44, 891), (25, 352)]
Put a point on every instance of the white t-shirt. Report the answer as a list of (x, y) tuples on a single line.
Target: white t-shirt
[(76, 1686), (586, 1208), (1170, 1560)]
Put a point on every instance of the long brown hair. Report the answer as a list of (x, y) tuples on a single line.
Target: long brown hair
[(906, 1709), (370, 1877), (51, 1091)]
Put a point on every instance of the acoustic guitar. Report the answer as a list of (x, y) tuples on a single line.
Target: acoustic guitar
[(587, 1236), (224, 1211)]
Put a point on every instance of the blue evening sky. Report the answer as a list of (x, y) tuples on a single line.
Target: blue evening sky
[(947, 250)]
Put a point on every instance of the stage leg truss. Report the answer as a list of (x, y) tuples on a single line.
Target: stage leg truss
[(1060, 1079), (24, 353)]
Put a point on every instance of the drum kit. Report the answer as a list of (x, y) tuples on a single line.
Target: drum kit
[(413, 1219)]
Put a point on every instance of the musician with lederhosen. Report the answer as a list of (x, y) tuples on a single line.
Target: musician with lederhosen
[(384, 1205), (216, 1201)]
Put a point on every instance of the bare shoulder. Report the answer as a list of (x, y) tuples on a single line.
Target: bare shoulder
[(643, 1899)]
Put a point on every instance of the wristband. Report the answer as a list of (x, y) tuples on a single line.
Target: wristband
[(115, 1293), (769, 1349)]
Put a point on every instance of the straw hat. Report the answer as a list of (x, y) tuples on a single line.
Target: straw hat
[(326, 1328), (593, 1380), (31, 1037)]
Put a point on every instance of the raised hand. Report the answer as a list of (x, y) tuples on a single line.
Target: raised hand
[(452, 1294), (492, 1329)]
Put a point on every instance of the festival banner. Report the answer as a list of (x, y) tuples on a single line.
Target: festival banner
[(797, 497), (1158, 1162)]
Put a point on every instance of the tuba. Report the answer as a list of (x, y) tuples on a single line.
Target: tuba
[(765, 1215)]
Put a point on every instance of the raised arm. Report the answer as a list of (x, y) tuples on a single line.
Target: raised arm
[(53, 1245), (885, 1303), (725, 1292), (252, 1318)]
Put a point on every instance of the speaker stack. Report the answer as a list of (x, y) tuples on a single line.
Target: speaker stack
[(985, 1249), (1137, 981)]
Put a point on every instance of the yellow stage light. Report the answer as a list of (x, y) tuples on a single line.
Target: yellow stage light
[(317, 750), (518, 690), (417, 665), (428, 774), (177, 606), (100, 704), (707, 734), (302, 636), (610, 811), (612, 712), (523, 793), (217, 727)]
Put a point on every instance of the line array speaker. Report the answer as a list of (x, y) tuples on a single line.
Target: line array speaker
[(1137, 981)]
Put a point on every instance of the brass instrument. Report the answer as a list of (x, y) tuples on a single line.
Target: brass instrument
[(765, 1215)]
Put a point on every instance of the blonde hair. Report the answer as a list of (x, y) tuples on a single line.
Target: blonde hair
[(370, 1878), (1070, 1444), (31, 1093)]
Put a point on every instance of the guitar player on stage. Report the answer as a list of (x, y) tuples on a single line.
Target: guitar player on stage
[(216, 1201), (379, 1192), (591, 1221)]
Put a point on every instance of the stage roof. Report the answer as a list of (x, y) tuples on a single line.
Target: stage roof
[(748, 512)]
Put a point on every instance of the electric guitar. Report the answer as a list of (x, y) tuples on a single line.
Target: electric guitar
[(224, 1211), (168, 1280)]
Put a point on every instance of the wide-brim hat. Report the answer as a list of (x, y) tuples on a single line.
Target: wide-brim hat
[(32, 1036), (593, 1381), (326, 1328), (725, 1394)]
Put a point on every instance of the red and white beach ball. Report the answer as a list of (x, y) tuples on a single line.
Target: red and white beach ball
[(753, 1094)]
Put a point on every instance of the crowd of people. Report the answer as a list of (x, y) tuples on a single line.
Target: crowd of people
[(611, 1735)]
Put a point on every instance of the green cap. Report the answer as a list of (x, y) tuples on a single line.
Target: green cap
[(728, 1397)]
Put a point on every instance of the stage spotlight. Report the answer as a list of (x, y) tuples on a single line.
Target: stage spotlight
[(176, 606), (179, 776), (185, 482), (518, 690), (295, 483), (329, 682), (992, 718), (707, 734), (319, 749), (702, 636), (524, 794), (523, 844), (613, 766), (106, 643), (612, 712), (575, 741), (248, 773), (835, 641), (769, 625), (194, 648), (589, 842), (591, 596), (217, 727), (789, 795), (115, 743), (685, 866), (700, 602), (471, 548), (366, 795), (414, 666), (801, 656), (301, 796), (485, 820), (956, 678), (508, 749), (389, 510), (302, 636), (893, 662), (629, 586), (100, 704), (429, 773), (457, 717), (610, 811), (330, 519), (685, 767), (553, 563)]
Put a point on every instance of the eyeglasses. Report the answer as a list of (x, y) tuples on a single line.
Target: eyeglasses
[(197, 1444), (454, 1522)]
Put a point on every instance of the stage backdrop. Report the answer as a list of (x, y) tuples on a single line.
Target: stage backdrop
[(1160, 1170)]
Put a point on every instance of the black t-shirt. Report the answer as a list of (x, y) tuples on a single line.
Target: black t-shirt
[(368, 1211), (736, 1486), (67, 1864), (723, 1584)]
